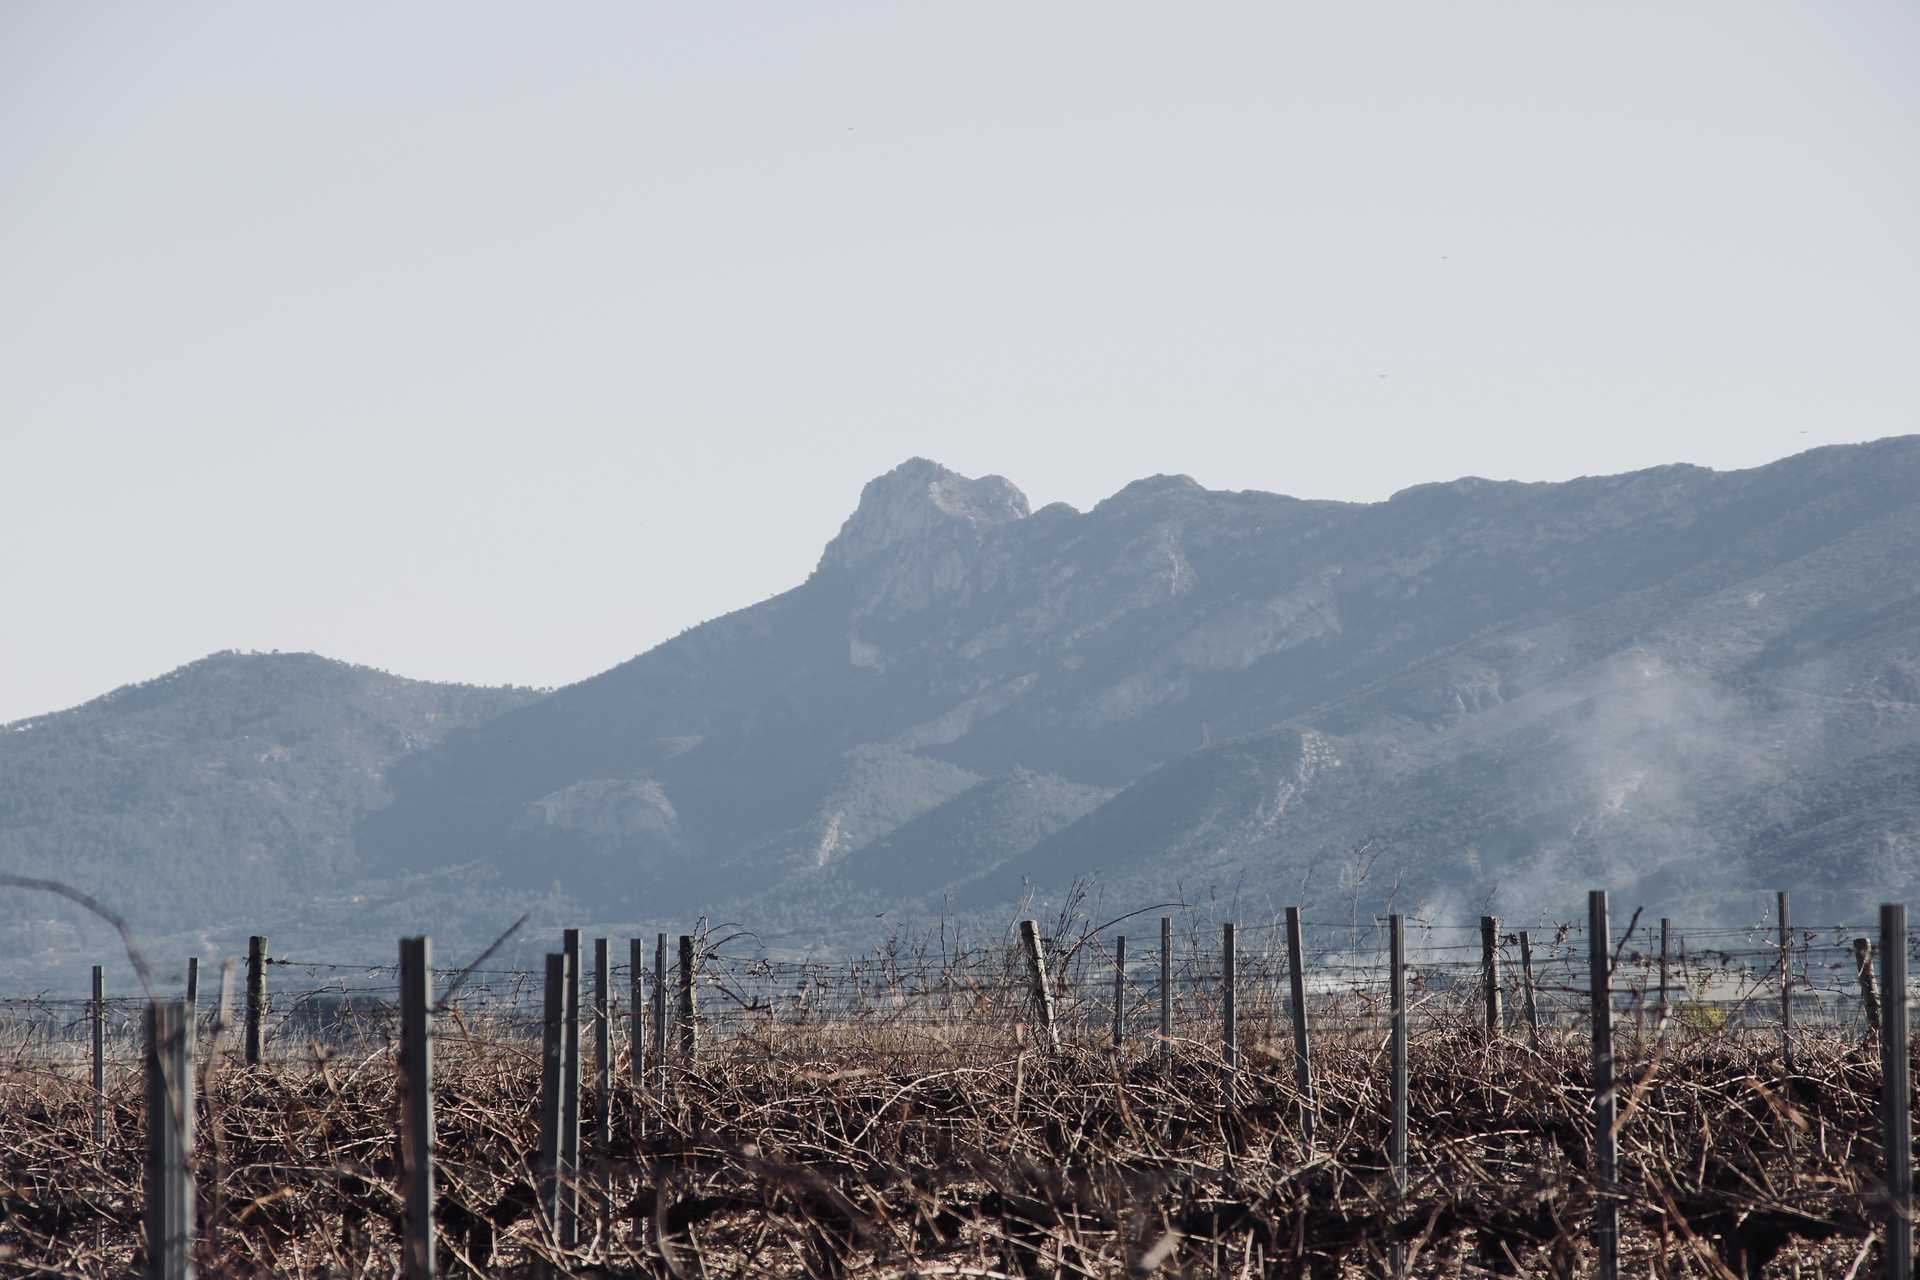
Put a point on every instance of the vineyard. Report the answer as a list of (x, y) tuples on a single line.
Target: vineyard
[(1577, 1101)]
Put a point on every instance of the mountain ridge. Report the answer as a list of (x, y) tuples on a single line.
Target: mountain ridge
[(1492, 685)]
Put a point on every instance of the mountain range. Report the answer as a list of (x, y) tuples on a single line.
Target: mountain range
[(1692, 687)]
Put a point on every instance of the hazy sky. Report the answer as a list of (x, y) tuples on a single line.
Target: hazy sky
[(498, 343)]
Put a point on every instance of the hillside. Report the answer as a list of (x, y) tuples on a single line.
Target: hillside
[(1693, 687), (216, 796), (1661, 681)]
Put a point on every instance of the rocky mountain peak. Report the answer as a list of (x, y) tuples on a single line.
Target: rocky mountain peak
[(915, 502)]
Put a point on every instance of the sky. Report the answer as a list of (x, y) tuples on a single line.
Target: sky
[(498, 343)]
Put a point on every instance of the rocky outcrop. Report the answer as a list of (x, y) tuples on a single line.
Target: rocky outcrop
[(920, 506)]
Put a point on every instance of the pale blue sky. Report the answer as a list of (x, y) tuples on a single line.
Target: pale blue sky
[(498, 343)]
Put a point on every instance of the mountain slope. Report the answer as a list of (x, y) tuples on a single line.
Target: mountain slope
[(975, 831), (1686, 685), (1460, 650), (227, 788)]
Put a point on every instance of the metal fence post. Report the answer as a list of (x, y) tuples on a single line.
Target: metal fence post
[(570, 1098), (1896, 1097), (1120, 991), (603, 1078), (99, 1012), (1397, 1133), (1606, 1214)]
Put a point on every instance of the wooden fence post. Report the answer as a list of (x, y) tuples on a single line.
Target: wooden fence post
[(221, 1024), (570, 1097), (1896, 1099), (689, 1008), (256, 997), (660, 1015), (1863, 968), (1490, 972), (553, 1038), (416, 1106), (1166, 988), (1397, 1134), (1230, 1010), (1297, 990), (1600, 983), (1786, 985), (602, 1027), (169, 1182), (1120, 991), (1037, 975), (193, 987), (1527, 1005)]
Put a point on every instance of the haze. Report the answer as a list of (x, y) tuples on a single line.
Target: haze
[(484, 343)]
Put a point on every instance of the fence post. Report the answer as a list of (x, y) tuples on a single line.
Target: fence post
[(1600, 983), (1297, 990), (660, 1014), (1665, 927), (99, 1012), (570, 1098), (603, 1078), (1527, 1005), (169, 1183), (1120, 991), (1166, 988), (1397, 1134), (1037, 975), (1863, 967), (1230, 1011), (1895, 1091), (1786, 986), (637, 1015), (1490, 971), (193, 987), (223, 1008), (553, 1038), (256, 997), (689, 1010), (222, 1020), (416, 1105)]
